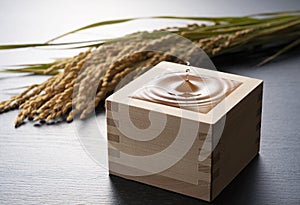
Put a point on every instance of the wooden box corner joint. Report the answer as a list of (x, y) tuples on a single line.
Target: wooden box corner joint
[(193, 142)]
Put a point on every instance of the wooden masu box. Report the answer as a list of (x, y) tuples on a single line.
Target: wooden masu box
[(195, 153)]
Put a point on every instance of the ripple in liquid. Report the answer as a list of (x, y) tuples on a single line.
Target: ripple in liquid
[(186, 90)]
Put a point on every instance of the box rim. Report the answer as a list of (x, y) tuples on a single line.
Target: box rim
[(214, 115)]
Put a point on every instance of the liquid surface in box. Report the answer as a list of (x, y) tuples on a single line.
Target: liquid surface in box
[(186, 90)]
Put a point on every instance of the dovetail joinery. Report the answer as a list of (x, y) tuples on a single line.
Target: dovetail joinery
[(112, 122), (203, 168), (113, 137), (216, 157), (112, 106)]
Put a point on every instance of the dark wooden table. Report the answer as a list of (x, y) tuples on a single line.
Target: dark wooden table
[(49, 165)]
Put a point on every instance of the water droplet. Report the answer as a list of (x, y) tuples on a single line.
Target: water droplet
[(187, 74)]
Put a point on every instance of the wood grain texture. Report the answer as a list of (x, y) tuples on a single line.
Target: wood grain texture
[(47, 165), (233, 134)]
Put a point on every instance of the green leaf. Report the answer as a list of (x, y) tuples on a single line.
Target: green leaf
[(244, 19), (28, 70), (30, 45), (32, 68), (102, 23), (267, 30), (296, 12), (280, 52)]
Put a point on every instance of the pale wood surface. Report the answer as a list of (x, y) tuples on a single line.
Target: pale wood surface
[(238, 144), (240, 141), (47, 165)]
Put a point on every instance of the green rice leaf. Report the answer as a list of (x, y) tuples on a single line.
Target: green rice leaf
[(30, 45), (245, 19), (102, 23), (32, 68), (280, 52)]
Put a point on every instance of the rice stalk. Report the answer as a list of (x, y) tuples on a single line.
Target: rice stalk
[(81, 83)]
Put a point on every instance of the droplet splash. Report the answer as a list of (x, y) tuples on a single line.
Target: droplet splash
[(187, 74), (186, 90)]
